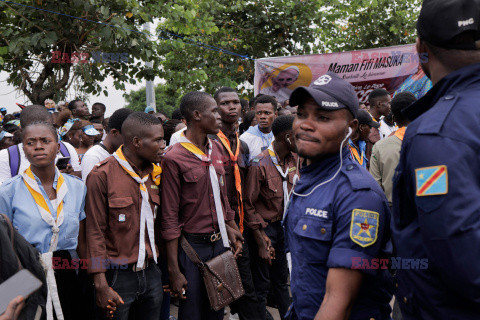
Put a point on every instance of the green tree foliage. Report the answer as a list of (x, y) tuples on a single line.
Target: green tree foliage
[(269, 28), (166, 99), (366, 24), (30, 36), (255, 29)]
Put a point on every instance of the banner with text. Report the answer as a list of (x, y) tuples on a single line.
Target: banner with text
[(390, 68)]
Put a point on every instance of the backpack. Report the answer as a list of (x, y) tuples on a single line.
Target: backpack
[(14, 157)]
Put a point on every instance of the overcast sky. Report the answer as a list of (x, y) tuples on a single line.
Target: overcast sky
[(9, 96)]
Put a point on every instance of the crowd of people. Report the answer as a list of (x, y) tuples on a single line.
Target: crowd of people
[(332, 209)]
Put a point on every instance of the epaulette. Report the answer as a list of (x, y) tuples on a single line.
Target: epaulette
[(433, 123), (359, 179), (101, 163), (11, 180), (71, 175)]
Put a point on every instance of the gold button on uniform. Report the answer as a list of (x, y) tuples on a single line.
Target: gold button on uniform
[(304, 227), (323, 231), (405, 299), (396, 285)]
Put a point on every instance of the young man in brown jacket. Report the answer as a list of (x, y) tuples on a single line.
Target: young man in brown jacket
[(269, 180)]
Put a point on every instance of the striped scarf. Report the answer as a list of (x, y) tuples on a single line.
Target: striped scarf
[(53, 300), (238, 179), (284, 174), (146, 213), (213, 180)]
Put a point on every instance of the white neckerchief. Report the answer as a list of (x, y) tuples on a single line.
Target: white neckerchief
[(213, 180), (146, 214), (284, 175), (53, 300)]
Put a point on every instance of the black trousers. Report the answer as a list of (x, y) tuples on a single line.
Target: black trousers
[(75, 290), (140, 290), (247, 307), (275, 275), (197, 305)]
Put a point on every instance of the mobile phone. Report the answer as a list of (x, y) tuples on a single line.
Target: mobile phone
[(23, 283), (62, 163)]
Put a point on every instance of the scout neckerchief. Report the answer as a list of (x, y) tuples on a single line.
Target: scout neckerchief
[(266, 138), (361, 159), (238, 181), (146, 214), (53, 300), (400, 133), (284, 174), (213, 180)]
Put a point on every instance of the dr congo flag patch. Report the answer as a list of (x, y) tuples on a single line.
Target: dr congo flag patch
[(431, 181)]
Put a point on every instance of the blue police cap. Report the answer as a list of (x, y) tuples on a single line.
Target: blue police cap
[(330, 92), (440, 21)]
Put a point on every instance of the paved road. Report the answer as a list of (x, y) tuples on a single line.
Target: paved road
[(273, 312)]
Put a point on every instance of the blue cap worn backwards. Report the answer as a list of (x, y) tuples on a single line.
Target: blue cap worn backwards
[(330, 92), (5, 134), (90, 130)]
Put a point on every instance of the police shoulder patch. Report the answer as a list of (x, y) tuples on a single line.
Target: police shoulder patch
[(364, 227), (431, 181)]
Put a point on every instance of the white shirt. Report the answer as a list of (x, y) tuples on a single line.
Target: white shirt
[(385, 130), (24, 163), (93, 156), (255, 144), (176, 136)]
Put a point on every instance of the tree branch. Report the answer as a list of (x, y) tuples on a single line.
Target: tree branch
[(21, 15), (83, 36)]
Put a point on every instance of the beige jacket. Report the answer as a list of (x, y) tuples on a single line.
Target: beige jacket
[(384, 160)]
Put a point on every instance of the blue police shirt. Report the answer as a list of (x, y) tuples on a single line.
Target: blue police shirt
[(340, 225), (18, 204), (436, 201)]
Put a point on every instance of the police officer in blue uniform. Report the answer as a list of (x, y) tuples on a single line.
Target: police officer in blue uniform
[(337, 221), (436, 196)]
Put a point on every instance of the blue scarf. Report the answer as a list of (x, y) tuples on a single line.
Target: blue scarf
[(266, 137)]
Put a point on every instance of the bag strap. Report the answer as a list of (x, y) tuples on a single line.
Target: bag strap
[(64, 150), (12, 236), (14, 159), (191, 253)]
